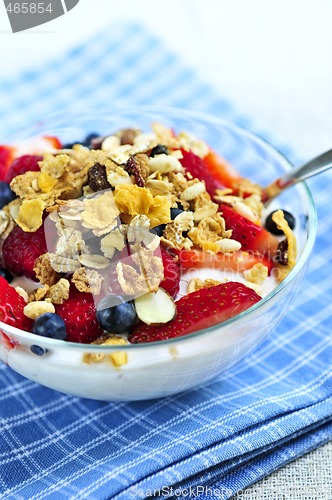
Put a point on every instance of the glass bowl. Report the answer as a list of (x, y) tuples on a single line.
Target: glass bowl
[(167, 367)]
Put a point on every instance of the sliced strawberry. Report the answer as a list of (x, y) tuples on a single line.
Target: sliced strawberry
[(21, 165), (11, 307), (21, 249), (34, 146), (252, 237), (198, 310), (6, 158), (79, 314), (171, 281), (237, 262), (196, 166), (221, 169)]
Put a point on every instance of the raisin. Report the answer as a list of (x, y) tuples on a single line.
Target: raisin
[(132, 168), (282, 253), (97, 178)]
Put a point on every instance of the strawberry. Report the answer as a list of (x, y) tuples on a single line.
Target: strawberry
[(21, 165), (197, 168), (6, 158), (11, 307), (198, 310), (234, 262), (251, 236), (21, 249), (221, 169), (171, 281), (34, 146), (79, 314)]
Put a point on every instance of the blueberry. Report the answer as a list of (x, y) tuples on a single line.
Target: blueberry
[(116, 316), (6, 194), (50, 325), (271, 226), (39, 351), (175, 212), (159, 150), (89, 138), (158, 230), (86, 142), (4, 273)]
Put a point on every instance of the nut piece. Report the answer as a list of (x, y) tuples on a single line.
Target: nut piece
[(155, 308), (164, 163), (35, 309), (194, 190)]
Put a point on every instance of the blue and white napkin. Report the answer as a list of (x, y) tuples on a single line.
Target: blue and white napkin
[(207, 443)]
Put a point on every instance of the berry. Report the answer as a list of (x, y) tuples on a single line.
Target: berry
[(33, 146), (175, 212), (116, 316), (232, 262), (50, 325), (4, 273), (160, 149), (79, 314), (11, 307), (251, 236), (197, 168), (39, 351), (21, 165), (6, 194), (221, 170), (198, 310), (271, 226), (89, 138), (87, 142), (6, 157), (171, 281), (21, 249), (158, 230)]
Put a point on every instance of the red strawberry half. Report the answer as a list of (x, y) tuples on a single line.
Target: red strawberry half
[(6, 158), (11, 307), (171, 281), (21, 165), (21, 249), (197, 168), (221, 169), (234, 262), (79, 314), (198, 310), (251, 236), (33, 146)]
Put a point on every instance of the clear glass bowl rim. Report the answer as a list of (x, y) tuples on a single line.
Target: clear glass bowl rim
[(197, 116)]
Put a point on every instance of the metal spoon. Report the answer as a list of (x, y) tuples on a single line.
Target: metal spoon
[(313, 167)]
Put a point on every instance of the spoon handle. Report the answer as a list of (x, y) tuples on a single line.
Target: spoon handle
[(309, 169)]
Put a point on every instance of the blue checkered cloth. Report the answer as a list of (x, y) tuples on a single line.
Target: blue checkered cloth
[(207, 443)]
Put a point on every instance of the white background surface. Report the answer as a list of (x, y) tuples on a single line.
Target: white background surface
[(273, 59)]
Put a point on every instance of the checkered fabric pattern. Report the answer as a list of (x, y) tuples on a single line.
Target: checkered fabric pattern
[(207, 443)]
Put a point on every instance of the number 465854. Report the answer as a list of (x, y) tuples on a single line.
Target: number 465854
[(29, 8)]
